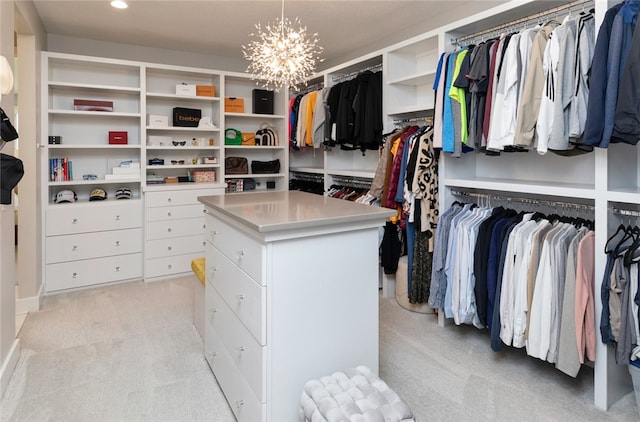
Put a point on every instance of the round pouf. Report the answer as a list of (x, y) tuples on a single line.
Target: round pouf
[(355, 395)]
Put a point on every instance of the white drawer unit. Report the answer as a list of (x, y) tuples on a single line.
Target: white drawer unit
[(74, 274), (92, 243), (174, 230), (276, 315)]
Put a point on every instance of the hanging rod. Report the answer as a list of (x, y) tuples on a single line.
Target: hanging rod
[(309, 88), (351, 75), (426, 119), (351, 181), (620, 211), (525, 200), (309, 177), (536, 16)]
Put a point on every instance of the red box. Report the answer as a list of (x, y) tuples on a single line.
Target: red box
[(118, 138), (92, 105)]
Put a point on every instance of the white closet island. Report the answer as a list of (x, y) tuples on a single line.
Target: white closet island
[(291, 295)]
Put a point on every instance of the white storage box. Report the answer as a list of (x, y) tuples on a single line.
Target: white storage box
[(157, 120), (185, 89), (159, 141)]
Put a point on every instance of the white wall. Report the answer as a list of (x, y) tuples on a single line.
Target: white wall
[(87, 47)]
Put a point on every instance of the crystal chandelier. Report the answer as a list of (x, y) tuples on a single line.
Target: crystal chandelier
[(283, 54)]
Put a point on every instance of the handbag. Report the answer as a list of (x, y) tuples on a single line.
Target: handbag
[(248, 139), (232, 137), (236, 165), (260, 167), (7, 131), (266, 135)]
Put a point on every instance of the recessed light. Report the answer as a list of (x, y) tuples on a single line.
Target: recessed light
[(119, 4)]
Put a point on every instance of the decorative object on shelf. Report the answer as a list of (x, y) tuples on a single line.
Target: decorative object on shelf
[(266, 135), (89, 177), (209, 160), (248, 138), (179, 143), (98, 194), (234, 105), (262, 101), (55, 140), (92, 105), (261, 167), (249, 184), (203, 176), (232, 137), (205, 91), (236, 165), (271, 184), (65, 195), (159, 141), (157, 120), (156, 162), (186, 117), (185, 89), (205, 122), (283, 54), (123, 193), (118, 138)]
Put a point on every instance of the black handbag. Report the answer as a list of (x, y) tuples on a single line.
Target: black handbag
[(260, 167), (7, 131), (236, 165)]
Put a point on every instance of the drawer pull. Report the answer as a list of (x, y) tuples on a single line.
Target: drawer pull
[(169, 214), (242, 349), (74, 221), (117, 243), (239, 254), (240, 296), (204, 243), (168, 248), (213, 233), (212, 311), (239, 404), (117, 218), (169, 229), (74, 248), (168, 199), (74, 275), (212, 355), (169, 266), (117, 269), (204, 226)]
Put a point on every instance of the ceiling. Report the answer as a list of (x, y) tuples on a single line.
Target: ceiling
[(347, 29)]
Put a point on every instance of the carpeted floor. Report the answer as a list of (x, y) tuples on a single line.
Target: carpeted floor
[(130, 352)]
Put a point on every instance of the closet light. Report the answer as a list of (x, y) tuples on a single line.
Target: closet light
[(283, 54), (119, 4)]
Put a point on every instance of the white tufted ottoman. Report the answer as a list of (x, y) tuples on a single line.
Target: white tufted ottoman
[(355, 395)]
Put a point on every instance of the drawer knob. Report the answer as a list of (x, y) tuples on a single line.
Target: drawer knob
[(240, 296), (117, 269), (169, 214), (117, 218), (74, 275), (169, 266), (213, 233), (169, 229), (117, 243), (74, 221), (240, 254), (242, 349), (204, 243), (168, 248), (212, 355), (74, 248), (239, 403), (168, 199), (213, 310)]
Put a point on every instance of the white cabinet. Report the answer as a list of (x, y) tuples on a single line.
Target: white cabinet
[(241, 86), (272, 323)]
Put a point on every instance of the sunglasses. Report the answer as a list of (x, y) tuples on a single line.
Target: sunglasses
[(89, 177), (177, 161), (181, 143)]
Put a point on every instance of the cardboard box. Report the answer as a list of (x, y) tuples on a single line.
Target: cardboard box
[(205, 91), (118, 138), (157, 120), (262, 101), (185, 89), (234, 105), (92, 105), (186, 117), (203, 176)]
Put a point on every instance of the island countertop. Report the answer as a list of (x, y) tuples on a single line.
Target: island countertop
[(267, 212)]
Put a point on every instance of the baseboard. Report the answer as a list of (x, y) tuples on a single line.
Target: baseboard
[(9, 365), (29, 304)]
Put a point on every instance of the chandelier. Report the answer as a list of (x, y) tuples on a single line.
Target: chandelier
[(283, 54)]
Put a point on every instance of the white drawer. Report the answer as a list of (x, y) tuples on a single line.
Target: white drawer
[(175, 212), (174, 228), (177, 197), (248, 355), (242, 250), (174, 246), (169, 265), (244, 404), (93, 245), (88, 272), (90, 217), (246, 298)]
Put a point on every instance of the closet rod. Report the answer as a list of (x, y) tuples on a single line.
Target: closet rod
[(525, 200), (309, 88), (629, 213), (583, 3), (351, 181), (426, 119), (307, 176), (351, 75)]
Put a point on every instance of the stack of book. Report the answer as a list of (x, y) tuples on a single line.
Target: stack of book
[(60, 170)]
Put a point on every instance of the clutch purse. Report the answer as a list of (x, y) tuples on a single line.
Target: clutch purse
[(236, 165)]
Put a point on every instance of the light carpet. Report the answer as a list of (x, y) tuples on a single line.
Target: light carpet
[(130, 352)]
